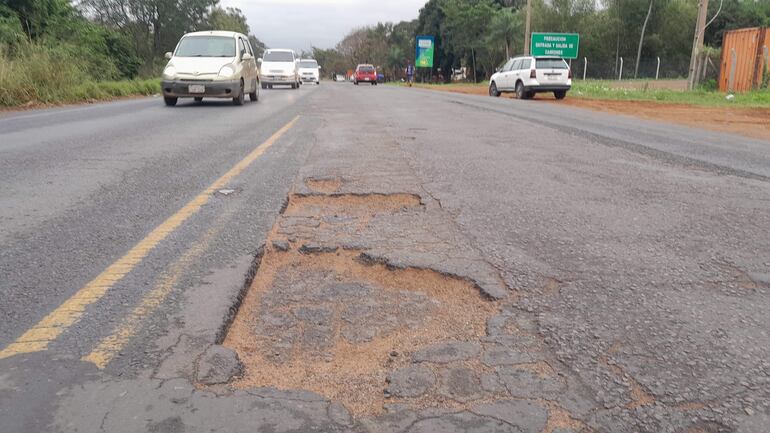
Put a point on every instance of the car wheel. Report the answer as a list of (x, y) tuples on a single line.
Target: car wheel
[(240, 98), (170, 100), (560, 94), (198, 99), (293, 85), (520, 93), (493, 90), (318, 83), (254, 96)]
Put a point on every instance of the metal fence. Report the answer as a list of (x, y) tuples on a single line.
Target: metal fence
[(625, 69)]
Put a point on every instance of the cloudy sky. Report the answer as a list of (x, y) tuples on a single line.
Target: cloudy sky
[(299, 23)]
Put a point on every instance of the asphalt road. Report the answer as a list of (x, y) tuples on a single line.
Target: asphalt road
[(636, 241)]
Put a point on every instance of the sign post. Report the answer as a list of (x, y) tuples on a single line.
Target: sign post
[(564, 45), (425, 47)]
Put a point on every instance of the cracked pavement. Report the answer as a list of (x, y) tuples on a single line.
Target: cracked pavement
[(444, 263)]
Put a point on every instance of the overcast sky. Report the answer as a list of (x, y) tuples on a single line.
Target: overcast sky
[(298, 24)]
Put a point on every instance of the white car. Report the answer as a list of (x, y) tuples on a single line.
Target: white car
[(528, 75), (279, 67), (309, 71), (211, 64)]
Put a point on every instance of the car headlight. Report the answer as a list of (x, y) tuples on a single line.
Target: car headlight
[(169, 72), (227, 71)]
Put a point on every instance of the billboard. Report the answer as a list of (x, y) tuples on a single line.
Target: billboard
[(425, 48)]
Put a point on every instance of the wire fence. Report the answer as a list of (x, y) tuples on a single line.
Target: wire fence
[(625, 69)]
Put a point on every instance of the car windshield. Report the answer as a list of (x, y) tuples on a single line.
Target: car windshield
[(366, 68), (308, 64), (206, 46), (279, 56), (550, 64)]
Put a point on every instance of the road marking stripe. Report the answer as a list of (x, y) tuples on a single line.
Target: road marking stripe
[(55, 323), (113, 344)]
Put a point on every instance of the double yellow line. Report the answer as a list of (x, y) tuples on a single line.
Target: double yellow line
[(70, 312)]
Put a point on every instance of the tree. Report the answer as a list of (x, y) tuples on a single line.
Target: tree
[(154, 25), (231, 19), (641, 39), (505, 27), (258, 46), (465, 26)]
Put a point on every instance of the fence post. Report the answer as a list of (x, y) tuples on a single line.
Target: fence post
[(733, 65), (585, 66), (657, 70), (620, 76)]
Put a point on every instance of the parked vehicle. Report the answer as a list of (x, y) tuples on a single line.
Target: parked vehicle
[(211, 64), (365, 74), (279, 67), (309, 71), (527, 75)]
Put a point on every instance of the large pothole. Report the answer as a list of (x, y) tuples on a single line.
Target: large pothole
[(349, 204), (332, 324)]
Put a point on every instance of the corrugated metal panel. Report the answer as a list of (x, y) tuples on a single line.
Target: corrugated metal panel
[(745, 42)]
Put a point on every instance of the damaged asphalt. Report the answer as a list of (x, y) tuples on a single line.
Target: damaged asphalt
[(439, 264)]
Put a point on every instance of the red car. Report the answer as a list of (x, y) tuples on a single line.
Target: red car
[(365, 74)]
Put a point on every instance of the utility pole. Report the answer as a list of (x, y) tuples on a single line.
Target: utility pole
[(697, 44), (527, 27)]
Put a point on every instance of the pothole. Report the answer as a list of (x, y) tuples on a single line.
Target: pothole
[(335, 325), (325, 185), (350, 204)]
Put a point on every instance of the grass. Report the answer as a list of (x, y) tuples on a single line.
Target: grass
[(602, 89), (45, 76)]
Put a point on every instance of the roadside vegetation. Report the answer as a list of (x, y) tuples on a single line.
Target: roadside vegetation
[(479, 35), (703, 96), (53, 52)]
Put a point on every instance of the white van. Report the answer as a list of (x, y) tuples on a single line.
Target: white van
[(211, 64), (279, 67), (309, 71)]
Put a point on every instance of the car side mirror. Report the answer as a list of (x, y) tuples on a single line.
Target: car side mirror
[(246, 56), (168, 55)]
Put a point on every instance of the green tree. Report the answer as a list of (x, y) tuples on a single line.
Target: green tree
[(231, 19), (505, 28), (464, 29)]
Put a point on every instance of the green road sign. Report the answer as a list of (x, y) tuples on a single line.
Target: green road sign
[(564, 45), (425, 47)]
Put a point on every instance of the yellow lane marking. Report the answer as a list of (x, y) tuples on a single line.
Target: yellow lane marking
[(55, 323), (110, 346)]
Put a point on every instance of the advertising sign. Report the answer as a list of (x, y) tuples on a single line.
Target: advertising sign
[(564, 45), (425, 48)]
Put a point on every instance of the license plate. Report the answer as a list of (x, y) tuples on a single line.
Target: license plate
[(196, 88), (366, 79)]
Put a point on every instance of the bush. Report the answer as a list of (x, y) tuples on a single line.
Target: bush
[(11, 33), (52, 74), (710, 85)]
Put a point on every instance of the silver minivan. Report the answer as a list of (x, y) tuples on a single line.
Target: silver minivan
[(211, 64)]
